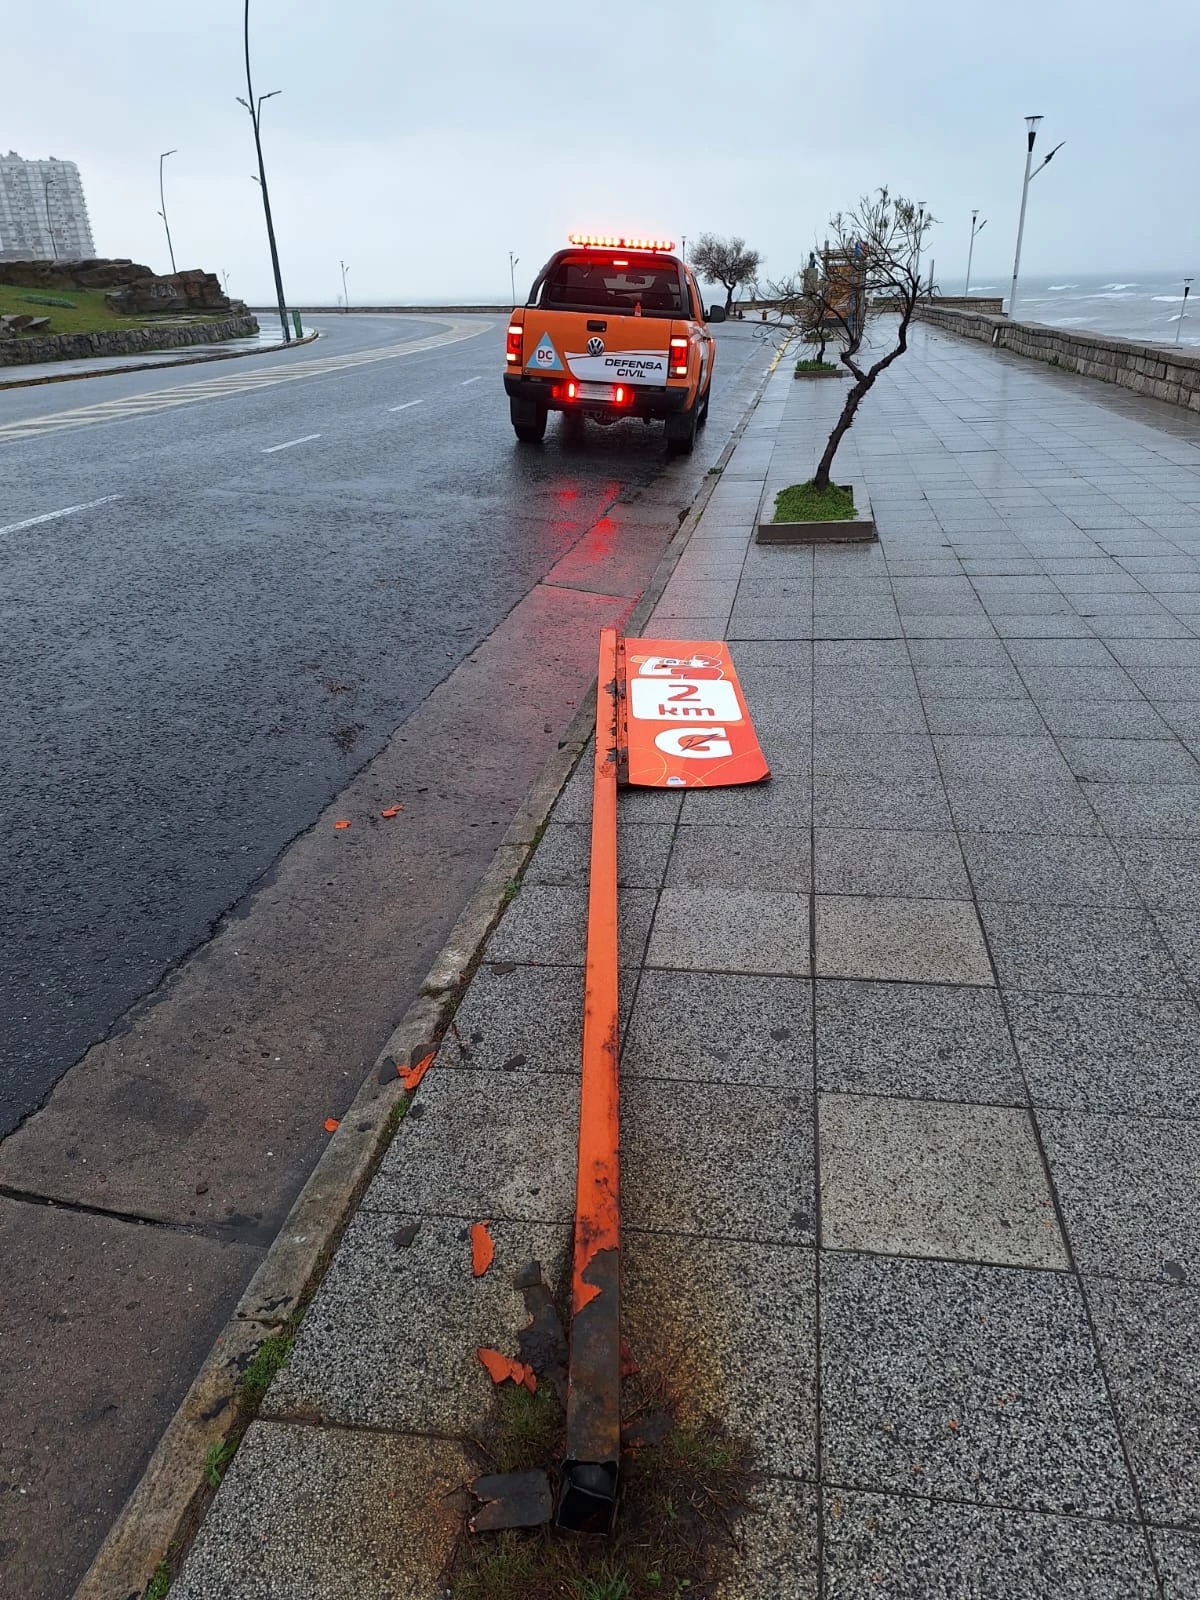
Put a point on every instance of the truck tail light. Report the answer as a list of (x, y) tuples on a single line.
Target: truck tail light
[(679, 358), (619, 397), (513, 353)]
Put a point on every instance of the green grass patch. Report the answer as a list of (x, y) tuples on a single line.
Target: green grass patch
[(271, 1355), (809, 365), (160, 1583), (802, 502), (217, 1458), (528, 1428), (86, 312)]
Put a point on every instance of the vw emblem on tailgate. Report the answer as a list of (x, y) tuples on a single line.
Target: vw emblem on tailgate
[(595, 347)]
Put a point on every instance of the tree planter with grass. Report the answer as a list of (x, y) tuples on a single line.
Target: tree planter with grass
[(807, 514), (819, 369)]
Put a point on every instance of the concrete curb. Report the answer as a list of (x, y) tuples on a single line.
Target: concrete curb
[(154, 366), (162, 1514)]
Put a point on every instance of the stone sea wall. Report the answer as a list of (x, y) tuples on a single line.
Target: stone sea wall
[(1162, 372), (122, 342)]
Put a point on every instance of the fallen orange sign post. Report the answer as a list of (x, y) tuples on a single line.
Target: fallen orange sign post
[(669, 713)]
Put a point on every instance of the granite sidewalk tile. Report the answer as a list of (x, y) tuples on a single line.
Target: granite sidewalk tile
[(932, 1178), (723, 1160), (923, 941), (881, 862), (720, 1027), (737, 1340), (731, 930), (1115, 1055), (910, 1548), (1127, 1187), (1099, 950), (924, 1041), (1151, 1356), (310, 1513), (976, 1383), (1177, 1556), (390, 1341)]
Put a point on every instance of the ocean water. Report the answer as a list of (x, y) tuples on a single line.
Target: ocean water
[(1128, 305)]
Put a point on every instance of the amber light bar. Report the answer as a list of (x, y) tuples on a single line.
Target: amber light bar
[(609, 241)]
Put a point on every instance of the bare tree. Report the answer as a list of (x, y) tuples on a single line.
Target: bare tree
[(725, 261), (879, 243), (799, 306), (872, 265)]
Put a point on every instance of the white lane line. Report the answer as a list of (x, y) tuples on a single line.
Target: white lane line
[(478, 379), (308, 437), (53, 516), (406, 405), (191, 391)]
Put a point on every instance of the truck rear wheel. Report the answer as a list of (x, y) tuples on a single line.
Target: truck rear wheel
[(681, 431), (528, 420)]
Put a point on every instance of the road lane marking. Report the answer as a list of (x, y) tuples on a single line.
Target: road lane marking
[(271, 448), (188, 393), (406, 405), (53, 516), (478, 379)]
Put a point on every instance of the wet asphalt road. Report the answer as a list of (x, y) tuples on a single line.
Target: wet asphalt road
[(193, 668)]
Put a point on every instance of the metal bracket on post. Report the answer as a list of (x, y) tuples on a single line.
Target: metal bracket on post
[(591, 1468)]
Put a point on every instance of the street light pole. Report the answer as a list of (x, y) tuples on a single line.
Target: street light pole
[(971, 251), (254, 107), (345, 291), (1187, 289), (163, 202), (49, 224), (920, 236), (1031, 124), (513, 263)]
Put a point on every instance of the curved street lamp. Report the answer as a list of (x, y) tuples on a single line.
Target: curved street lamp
[(163, 202), (1032, 124), (49, 224), (254, 107), (970, 253)]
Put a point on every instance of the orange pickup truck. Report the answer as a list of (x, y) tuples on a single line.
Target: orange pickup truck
[(612, 328)]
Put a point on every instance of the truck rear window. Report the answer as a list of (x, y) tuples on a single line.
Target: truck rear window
[(583, 283)]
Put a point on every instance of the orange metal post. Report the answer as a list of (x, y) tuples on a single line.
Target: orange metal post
[(588, 1494)]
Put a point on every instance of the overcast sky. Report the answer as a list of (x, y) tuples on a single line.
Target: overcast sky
[(422, 144)]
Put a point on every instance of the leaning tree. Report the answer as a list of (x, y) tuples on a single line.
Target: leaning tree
[(871, 265)]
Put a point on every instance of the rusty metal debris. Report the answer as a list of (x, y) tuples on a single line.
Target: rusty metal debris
[(542, 1343), (511, 1500)]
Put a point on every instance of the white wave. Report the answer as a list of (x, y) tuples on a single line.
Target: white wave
[(1113, 294), (1064, 286), (1167, 299), (1068, 322), (1120, 285)]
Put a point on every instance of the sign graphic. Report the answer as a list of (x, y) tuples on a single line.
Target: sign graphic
[(688, 725), (545, 358), (620, 366)]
